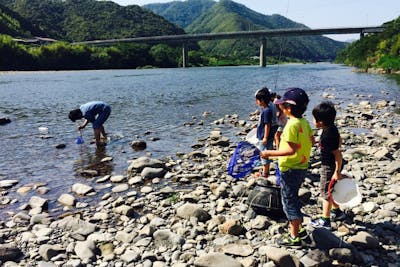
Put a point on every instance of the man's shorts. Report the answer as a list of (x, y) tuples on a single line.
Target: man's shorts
[(326, 176), (268, 146), (102, 117)]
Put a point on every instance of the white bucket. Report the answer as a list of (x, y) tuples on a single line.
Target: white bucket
[(251, 137), (346, 193)]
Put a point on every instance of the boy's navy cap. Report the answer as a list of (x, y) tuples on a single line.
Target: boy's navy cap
[(294, 96)]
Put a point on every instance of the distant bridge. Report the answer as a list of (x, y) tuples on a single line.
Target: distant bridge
[(261, 34)]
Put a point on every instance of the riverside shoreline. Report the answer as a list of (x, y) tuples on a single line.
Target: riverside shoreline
[(201, 216)]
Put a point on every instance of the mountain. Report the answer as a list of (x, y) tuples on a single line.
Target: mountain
[(80, 20), (13, 24), (229, 16), (181, 13)]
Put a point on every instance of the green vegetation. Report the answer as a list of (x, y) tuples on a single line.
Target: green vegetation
[(79, 20), (82, 20), (181, 13), (375, 51), (63, 56), (229, 16), (13, 24), (174, 198)]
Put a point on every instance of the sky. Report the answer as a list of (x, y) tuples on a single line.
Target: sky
[(318, 13)]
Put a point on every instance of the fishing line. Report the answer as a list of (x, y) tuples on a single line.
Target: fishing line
[(281, 50)]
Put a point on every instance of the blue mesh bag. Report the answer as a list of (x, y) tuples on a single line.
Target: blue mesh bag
[(244, 159)]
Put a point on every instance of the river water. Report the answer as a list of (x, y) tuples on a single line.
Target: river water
[(146, 104)]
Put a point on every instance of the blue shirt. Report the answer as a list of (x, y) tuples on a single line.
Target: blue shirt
[(91, 109), (265, 118)]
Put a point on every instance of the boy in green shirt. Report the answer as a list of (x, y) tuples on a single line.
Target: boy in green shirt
[(294, 156)]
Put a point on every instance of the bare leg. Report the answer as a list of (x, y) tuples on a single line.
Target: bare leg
[(97, 134), (103, 133), (266, 170), (326, 208), (294, 227)]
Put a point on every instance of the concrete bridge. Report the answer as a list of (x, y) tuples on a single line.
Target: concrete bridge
[(261, 35)]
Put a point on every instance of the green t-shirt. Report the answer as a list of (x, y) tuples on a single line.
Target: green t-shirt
[(297, 131)]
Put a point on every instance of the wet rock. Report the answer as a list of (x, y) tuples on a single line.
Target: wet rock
[(4, 121), (117, 178), (88, 173), (61, 146), (38, 202), (139, 164), (8, 183), (139, 145), (67, 200), (82, 189), (149, 172)]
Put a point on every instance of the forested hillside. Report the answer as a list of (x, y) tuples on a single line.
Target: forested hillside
[(229, 16), (79, 20), (13, 24), (377, 50), (181, 13)]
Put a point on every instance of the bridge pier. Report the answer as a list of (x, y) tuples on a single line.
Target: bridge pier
[(184, 56), (263, 52)]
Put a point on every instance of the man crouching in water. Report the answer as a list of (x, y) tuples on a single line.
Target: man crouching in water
[(96, 112)]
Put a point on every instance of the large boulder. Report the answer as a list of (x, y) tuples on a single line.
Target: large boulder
[(139, 164)]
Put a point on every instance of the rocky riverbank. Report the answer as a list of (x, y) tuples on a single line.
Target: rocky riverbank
[(200, 216)]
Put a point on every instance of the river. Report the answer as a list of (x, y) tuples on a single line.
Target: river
[(150, 104)]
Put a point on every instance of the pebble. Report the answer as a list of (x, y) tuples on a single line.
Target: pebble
[(188, 212)]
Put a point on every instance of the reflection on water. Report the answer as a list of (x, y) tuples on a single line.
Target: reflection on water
[(395, 77), (88, 162)]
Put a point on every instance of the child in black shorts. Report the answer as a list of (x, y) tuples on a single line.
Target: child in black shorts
[(331, 161)]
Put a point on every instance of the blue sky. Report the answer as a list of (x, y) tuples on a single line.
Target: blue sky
[(318, 13)]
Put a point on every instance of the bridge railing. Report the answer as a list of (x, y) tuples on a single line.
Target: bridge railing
[(260, 34), (241, 34)]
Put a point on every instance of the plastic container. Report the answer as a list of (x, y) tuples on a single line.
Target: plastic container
[(251, 137), (43, 130), (79, 140), (345, 193)]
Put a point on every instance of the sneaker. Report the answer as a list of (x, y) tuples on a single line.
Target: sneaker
[(290, 242), (302, 234), (321, 223), (337, 215)]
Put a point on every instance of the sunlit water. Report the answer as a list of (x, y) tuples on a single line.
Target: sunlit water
[(145, 104)]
